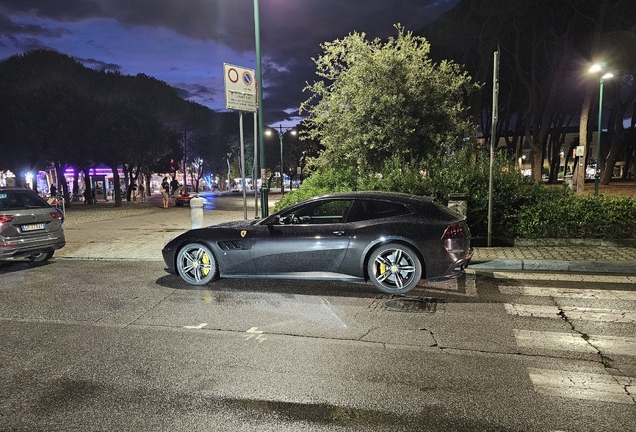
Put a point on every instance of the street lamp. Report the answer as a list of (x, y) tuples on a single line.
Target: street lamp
[(261, 137), (595, 69), (280, 137)]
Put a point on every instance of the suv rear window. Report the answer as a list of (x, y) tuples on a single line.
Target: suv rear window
[(18, 200)]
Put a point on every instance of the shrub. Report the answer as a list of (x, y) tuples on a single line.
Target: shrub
[(321, 182), (575, 216)]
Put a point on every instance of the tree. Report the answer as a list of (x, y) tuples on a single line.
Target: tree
[(379, 99)]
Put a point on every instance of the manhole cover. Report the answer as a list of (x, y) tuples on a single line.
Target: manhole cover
[(413, 304)]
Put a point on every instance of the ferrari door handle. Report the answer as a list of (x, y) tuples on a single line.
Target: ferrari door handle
[(338, 233)]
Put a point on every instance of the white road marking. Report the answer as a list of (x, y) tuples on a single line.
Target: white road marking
[(552, 341), (616, 345), (573, 313), (255, 332), (565, 277), (569, 292), (598, 387), (579, 385), (200, 326), (534, 311), (608, 345)]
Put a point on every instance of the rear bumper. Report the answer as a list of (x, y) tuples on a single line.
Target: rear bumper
[(10, 250), (456, 269)]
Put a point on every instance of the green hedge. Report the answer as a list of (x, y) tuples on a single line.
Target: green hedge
[(575, 216)]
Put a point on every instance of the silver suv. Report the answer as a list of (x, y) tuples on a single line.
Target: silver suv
[(29, 226)]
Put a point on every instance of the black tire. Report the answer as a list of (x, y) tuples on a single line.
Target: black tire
[(394, 268), (41, 257), (196, 264)]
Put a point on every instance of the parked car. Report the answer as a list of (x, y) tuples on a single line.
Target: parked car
[(391, 239), (182, 199), (29, 227)]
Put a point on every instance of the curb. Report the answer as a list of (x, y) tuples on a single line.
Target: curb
[(626, 267)]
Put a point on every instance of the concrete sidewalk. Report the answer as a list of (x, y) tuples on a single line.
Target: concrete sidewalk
[(139, 232)]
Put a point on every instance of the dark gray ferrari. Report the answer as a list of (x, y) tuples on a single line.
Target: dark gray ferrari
[(390, 239)]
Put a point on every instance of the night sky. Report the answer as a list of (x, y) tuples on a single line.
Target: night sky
[(186, 42)]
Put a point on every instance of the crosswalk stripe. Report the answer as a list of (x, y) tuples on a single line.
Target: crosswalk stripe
[(608, 345), (598, 387), (615, 345), (552, 341), (568, 292), (572, 313), (579, 385), (565, 277)]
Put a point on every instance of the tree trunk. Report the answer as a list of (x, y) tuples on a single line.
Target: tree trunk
[(88, 190), (584, 140), (116, 186), (537, 164)]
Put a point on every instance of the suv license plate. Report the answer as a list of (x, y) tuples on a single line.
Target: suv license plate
[(33, 227)]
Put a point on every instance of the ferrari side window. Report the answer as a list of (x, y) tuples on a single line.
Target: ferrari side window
[(367, 210)]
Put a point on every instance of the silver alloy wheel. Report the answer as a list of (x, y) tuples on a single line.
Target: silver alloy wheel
[(394, 268), (196, 264)]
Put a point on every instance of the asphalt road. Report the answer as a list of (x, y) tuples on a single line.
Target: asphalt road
[(121, 345)]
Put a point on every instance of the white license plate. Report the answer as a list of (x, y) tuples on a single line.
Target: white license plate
[(33, 227)]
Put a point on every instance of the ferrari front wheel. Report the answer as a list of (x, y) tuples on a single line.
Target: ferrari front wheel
[(196, 264), (394, 268)]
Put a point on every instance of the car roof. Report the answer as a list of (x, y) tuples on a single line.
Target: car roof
[(379, 195)]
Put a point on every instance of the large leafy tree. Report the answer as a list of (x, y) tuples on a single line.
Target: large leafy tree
[(379, 99)]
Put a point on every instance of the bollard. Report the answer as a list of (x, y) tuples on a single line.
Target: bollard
[(196, 212), (458, 202)]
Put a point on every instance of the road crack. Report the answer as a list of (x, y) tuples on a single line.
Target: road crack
[(605, 360)]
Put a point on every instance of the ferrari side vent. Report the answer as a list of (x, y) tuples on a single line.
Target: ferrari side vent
[(230, 245)]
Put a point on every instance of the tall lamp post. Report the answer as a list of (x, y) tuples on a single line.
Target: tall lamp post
[(280, 137), (598, 68), (261, 136)]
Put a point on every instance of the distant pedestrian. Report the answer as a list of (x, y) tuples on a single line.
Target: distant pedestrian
[(142, 192), (174, 184), (53, 191), (165, 190), (133, 192)]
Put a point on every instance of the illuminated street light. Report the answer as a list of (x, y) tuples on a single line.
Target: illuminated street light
[(595, 69), (280, 137)]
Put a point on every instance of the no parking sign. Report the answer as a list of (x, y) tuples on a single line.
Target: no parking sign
[(240, 88)]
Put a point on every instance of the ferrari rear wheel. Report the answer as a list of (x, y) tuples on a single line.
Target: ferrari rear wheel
[(196, 264), (394, 268)]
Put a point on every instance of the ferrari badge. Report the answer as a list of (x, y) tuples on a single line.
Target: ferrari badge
[(243, 233)]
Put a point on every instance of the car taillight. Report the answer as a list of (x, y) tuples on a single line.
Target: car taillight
[(453, 231), (5, 218), (56, 215)]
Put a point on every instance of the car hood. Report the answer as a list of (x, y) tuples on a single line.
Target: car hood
[(235, 224)]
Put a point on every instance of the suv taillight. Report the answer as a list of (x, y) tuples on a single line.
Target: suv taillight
[(5, 218), (453, 231), (56, 215)]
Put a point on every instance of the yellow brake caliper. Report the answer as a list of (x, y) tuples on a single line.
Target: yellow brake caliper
[(205, 259), (382, 268)]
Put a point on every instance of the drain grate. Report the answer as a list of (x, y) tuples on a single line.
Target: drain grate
[(408, 304)]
